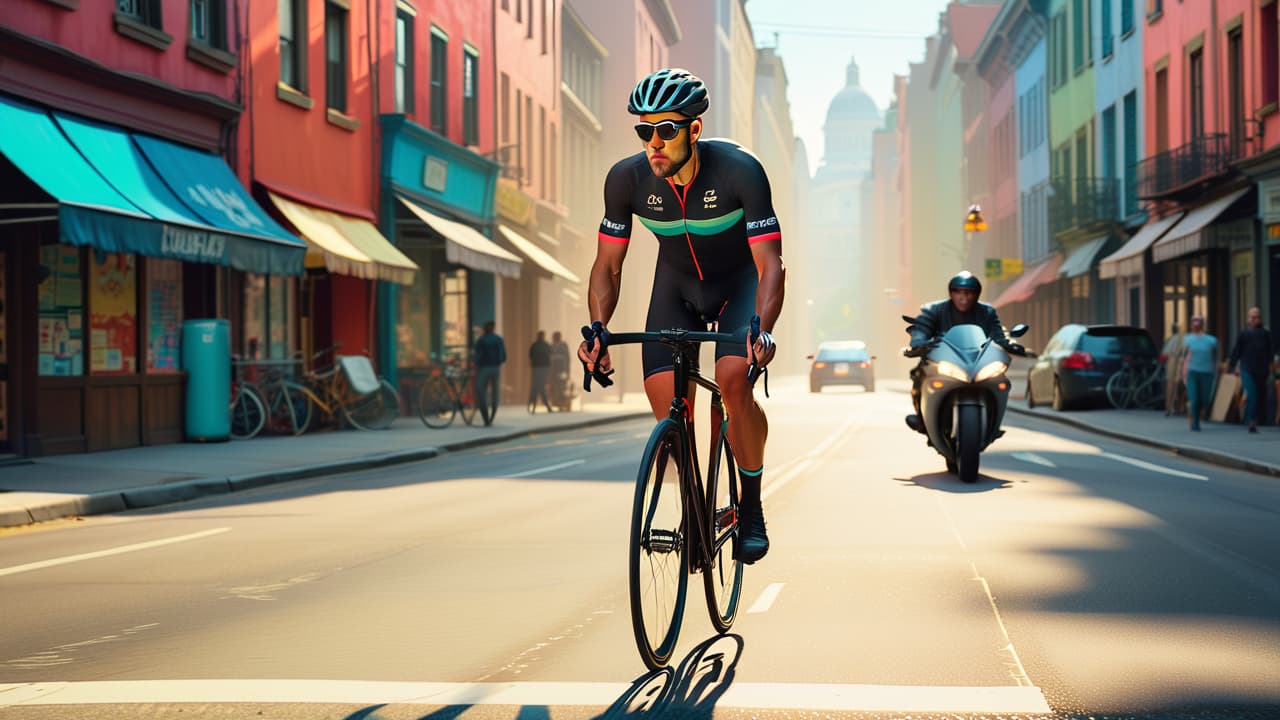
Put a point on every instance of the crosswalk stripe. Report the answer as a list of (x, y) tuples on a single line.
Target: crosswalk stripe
[(799, 696)]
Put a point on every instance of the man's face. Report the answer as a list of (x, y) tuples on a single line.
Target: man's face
[(963, 298), (1197, 326), (666, 157), (1255, 318)]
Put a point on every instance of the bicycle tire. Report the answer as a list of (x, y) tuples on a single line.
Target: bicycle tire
[(436, 404), (248, 413), (723, 580), (375, 410), (1150, 394), (1120, 388), (658, 578), (294, 407), (467, 400)]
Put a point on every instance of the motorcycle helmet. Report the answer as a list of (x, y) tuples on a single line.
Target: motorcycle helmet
[(967, 281), (670, 90)]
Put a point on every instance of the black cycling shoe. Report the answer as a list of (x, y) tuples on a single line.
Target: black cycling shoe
[(915, 423), (753, 541)]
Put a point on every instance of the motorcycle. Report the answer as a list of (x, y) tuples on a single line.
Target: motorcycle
[(964, 394)]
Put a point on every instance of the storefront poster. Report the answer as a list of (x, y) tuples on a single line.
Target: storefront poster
[(68, 292), (164, 314), (113, 303)]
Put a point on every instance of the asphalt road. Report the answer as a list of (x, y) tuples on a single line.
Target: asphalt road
[(1081, 576)]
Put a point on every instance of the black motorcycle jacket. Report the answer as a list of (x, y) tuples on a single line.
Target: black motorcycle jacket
[(935, 319)]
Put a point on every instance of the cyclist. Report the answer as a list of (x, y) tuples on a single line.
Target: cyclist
[(936, 318), (709, 204)]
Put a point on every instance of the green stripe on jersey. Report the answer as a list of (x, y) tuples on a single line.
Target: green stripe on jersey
[(664, 227), (715, 226)]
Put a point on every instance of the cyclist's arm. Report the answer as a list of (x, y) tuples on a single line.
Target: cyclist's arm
[(605, 281), (764, 236)]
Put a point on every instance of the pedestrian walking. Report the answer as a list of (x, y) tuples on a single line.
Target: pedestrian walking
[(559, 372), (1251, 360), (490, 353), (1171, 354), (1200, 353), (540, 361)]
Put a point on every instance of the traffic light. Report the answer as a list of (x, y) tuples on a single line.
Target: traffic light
[(973, 221)]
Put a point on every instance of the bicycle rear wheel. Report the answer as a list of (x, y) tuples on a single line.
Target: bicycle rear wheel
[(436, 406), (374, 411), (658, 578), (248, 414), (467, 399), (723, 580), (1120, 388)]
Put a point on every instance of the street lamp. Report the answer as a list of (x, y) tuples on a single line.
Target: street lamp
[(973, 221)]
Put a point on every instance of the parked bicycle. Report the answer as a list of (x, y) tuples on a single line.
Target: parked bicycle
[(680, 524), (247, 408), (348, 392), (1138, 384), (448, 391)]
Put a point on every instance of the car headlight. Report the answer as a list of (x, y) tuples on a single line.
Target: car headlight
[(990, 370), (952, 370)]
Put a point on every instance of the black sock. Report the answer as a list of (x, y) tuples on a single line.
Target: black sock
[(751, 487)]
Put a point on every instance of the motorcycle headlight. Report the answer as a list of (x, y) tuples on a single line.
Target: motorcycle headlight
[(952, 370), (990, 370)]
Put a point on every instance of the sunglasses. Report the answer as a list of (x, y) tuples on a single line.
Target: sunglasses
[(667, 129)]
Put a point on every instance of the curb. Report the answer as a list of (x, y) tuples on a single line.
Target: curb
[(184, 490), (1209, 456)]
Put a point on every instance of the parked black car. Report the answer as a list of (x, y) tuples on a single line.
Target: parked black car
[(842, 363), (1074, 366)]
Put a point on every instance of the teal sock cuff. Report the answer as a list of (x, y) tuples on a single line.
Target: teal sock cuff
[(752, 473)]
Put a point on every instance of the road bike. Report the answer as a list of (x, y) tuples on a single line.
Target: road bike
[(1139, 384), (449, 390), (348, 392), (247, 408), (681, 522)]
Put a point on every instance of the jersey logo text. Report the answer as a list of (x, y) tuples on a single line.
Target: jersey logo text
[(757, 224), (709, 199), (619, 227)]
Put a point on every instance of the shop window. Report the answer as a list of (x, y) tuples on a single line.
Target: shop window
[(269, 316), (164, 315), (404, 62), (293, 45), (61, 312), (335, 40), (413, 316), (209, 22), (146, 12), (439, 70), (113, 313), (470, 97), (456, 325)]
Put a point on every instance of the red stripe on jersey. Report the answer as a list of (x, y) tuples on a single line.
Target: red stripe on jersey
[(614, 240), (764, 238)]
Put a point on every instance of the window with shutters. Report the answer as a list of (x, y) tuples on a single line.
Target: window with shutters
[(439, 77), (335, 41), (1130, 151)]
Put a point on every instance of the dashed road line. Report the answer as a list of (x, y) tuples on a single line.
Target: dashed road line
[(547, 469), (765, 601), (14, 570), (1155, 468), (1034, 459)]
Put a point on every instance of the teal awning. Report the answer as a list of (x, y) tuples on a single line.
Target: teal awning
[(135, 194), (1081, 259)]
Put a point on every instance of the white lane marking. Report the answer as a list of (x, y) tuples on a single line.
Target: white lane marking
[(14, 570), (549, 468), (1034, 459), (830, 440), (765, 601), (799, 696), (785, 478), (1155, 468)]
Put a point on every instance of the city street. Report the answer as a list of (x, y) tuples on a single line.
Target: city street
[(1080, 576)]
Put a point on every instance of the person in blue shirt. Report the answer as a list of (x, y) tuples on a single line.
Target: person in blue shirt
[(489, 355), (1200, 350)]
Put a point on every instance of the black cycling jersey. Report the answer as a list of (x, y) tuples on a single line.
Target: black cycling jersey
[(705, 231)]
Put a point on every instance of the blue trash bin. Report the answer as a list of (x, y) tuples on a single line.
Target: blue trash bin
[(206, 356)]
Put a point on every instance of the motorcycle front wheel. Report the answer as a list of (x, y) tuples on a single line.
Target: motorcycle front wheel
[(968, 442)]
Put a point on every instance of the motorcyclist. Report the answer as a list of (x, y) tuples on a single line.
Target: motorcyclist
[(936, 318)]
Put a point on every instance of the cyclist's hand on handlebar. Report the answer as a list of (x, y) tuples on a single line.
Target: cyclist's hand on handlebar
[(594, 355), (589, 354), (761, 352)]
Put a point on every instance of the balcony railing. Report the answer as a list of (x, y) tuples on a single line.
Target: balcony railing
[(1172, 170), (1082, 203)]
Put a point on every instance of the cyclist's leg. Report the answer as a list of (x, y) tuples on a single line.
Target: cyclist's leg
[(667, 310)]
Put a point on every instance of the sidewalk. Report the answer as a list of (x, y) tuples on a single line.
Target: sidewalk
[(1222, 444), (104, 482)]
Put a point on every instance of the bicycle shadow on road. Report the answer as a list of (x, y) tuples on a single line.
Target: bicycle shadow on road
[(689, 692), (946, 482)]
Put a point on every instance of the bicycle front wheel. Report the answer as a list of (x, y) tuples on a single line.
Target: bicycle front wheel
[(436, 406), (467, 399), (374, 411), (248, 414), (658, 576), (723, 579)]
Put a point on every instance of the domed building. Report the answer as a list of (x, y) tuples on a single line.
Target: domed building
[(840, 272)]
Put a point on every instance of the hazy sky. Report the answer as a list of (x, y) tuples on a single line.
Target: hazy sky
[(816, 38)]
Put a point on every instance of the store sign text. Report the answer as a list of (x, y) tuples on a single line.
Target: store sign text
[(192, 243)]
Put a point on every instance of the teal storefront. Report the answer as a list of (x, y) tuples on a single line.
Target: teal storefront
[(437, 206)]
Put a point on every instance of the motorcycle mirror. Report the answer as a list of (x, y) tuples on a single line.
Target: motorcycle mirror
[(1019, 330)]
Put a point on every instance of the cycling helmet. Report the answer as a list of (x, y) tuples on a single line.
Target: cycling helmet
[(966, 280), (669, 90)]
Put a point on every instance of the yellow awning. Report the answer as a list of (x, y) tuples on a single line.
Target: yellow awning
[(540, 257), (346, 245), (464, 245)]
